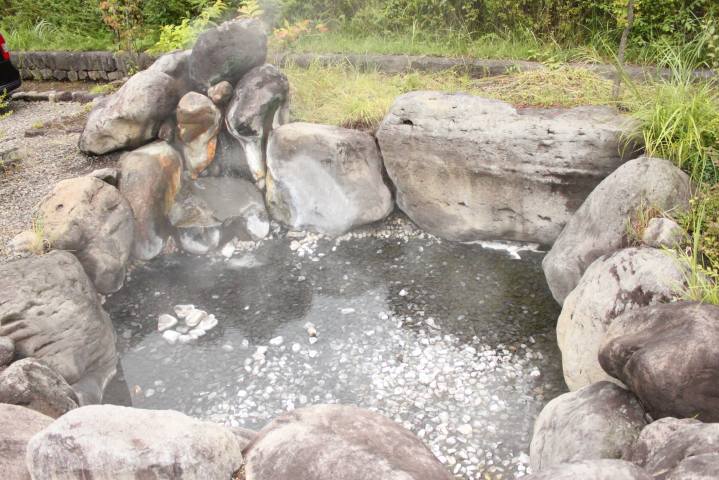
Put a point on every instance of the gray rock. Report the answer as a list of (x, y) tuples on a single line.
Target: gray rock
[(230, 160), (91, 219), (198, 123), (51, 310), (227, 52), (105, 442), (600, 225), (678, 450), (214, 210), (592, 470), (326, 179), (599, 421), (468, 168), (669, 356), (19, 424), (663, 232), (7, 351), (150, 179), (614, 284), (329, 442), (131, 116), (177, 65), (32, 384), (260, 103), (108, 175), (221, 93), (244, 435)]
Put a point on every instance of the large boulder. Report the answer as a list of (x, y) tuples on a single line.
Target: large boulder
[(600, 225), (131, 116), (614, 284), (51, 310), (260, 103), (592, 470), (468, 168), (91, 219), (672, 449), (230, 158), (109, 442), (329, 442), (227, 52), (601, 420), (212, 211), (150, 178), (669, 356), (177, 65), (17, 426), (32, 384), (326, 179), (7, 351), (198, 123)]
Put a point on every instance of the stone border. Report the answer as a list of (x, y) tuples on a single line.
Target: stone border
[(109, 66)]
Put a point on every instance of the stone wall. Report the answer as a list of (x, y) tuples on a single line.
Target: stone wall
[(74, 66)]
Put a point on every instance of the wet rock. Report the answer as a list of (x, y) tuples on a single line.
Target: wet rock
[(183, 311), (227, 52), (230, 160), (614, 284), (221, 93), (326, 179), (599, 421), (32, 384), (51, 310), (19, 424), (327, 442), (669, 356), (600, 225), (165, 322), (177, 65), (214, 210), (131, 116), (663, 232), (111, 442), (678, 450), (194, 318), (150, 179), (260, 102), (7, 351), (108, 175), (592, 470), (468, 168), (171, 336), (198, 122), (91, 219)]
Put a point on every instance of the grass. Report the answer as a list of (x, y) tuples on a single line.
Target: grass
[(45, 36), (343, 95)]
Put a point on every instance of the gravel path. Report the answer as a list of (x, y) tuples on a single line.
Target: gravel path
[(49, 155)]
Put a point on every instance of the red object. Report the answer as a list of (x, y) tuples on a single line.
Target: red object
[(3, 52)]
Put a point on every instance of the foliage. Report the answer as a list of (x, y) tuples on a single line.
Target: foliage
[(124, 19), (174, 37), (250, 9), (5, 110), (286, 35)]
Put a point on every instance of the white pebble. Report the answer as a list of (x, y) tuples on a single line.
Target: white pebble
[(165, 322)]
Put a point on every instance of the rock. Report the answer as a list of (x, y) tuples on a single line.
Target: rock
[(171, 336), (182, 311), (260, 103), (244, 435), (467, 168), (214, 210), (19, 424), (614, 284), (221, 93), (328, 442), (177, 65), (91, 219), (592, 470), (27, 243), (600, 225), (678, 450), (108, 175), (198, 122), (194, 318), (208, 323), (230, 158), (227, 52), (668, 355), (165, 322), (7, 351), (52, 312), (326, 179), (150, 179), (599, 421), (131, 116), (111, 442), (32, 384), (663, 232)]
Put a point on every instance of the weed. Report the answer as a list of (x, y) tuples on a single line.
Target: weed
[(5, 110)]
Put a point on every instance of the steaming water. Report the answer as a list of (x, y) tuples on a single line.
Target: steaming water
[(455, 342)]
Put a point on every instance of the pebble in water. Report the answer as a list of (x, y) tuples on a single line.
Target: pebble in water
[(165, 322), (182, 311), (194, 318)]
